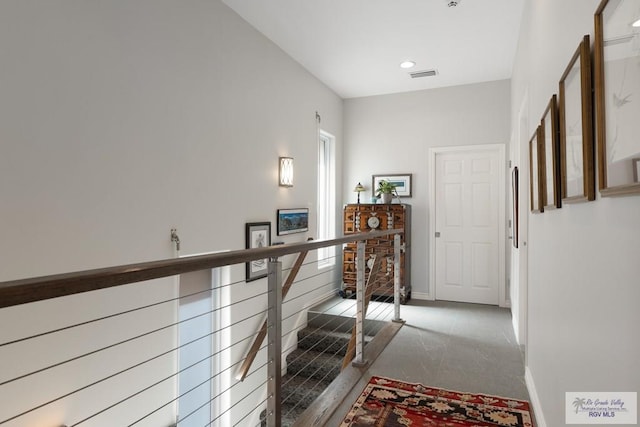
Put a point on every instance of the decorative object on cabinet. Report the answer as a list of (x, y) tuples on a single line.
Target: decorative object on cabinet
[(258, 235), (550, 157), (293, 221), (535, 187), (576, 131), (617, 95), (385, 191), (359, 189), (402, 183), (367, 217)]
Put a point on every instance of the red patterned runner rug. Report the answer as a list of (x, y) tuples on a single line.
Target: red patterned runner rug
[(390, 403)]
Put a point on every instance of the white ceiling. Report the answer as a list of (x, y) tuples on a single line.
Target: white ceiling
[(355, 46)]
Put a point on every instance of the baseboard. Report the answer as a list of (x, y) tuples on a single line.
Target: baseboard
[(421, 296), (535, 401)]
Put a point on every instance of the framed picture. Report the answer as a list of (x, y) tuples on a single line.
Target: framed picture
[(576, 131), (293, 221), (515, 198), (636, 170), (535, 189), (550, 155), (402, 183), (258, 235), (617, 96)]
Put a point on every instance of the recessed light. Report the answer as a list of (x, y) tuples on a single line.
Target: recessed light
[(636, 24), (407, 64)]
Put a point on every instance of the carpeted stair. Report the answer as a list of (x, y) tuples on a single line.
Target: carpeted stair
[(314, 364)]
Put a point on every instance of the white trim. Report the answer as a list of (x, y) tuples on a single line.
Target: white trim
[(535, 401), (326, 202), (523, 250), (421, 296), (500, 148)]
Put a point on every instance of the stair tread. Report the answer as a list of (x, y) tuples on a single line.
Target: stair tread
[(325, 341), (290, 413), (301, 389), (314, 364)]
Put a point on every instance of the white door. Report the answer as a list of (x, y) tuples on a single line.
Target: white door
[(469, 204)]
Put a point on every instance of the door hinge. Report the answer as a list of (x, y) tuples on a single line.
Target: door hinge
[(509, 164)]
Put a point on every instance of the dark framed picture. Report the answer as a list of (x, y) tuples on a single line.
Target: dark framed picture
[(293, 221), (258, 235), (617, 91), (535, 189), (402, 183), (576, 130), (550, 155), (515, 198)]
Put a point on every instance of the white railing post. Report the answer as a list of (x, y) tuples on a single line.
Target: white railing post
[(274, 338), (360, 309), (396, 278)]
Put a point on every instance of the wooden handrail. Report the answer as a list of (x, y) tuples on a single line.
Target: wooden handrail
[(23, 291)]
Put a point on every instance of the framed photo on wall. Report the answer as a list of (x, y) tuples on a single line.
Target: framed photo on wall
[(551, 155), (293, 221), (535, 187), (402, 183), (258, 235), (616, 57), (576, 130), (515, 213)]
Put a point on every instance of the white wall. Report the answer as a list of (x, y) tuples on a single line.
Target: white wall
[(393, 133), (120, 120), (583, 265)]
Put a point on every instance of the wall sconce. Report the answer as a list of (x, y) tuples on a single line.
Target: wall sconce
[(359, 188), (286, 172)]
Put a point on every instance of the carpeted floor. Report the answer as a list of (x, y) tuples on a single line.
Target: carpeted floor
[(390, 403)]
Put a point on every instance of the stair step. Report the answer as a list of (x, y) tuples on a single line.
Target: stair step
[(309, 363), (301, 389), (341, 323), (289, 412), (321, 340)]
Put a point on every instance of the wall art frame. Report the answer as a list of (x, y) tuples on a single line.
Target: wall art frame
[(576, 127), (515, 198), (401, 181), (257, 235), (617, 92), (550, 146), (292, 221), (535, 171)]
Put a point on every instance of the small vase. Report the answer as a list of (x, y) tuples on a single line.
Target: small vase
[(387, 197)]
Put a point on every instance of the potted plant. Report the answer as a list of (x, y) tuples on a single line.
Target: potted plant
[(386, 190)]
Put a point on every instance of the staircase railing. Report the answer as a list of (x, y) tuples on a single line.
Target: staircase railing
[(71, 367)]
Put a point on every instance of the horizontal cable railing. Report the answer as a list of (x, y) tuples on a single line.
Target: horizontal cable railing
[(167, 349)]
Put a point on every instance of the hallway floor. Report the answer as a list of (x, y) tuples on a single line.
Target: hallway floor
[(457, 346)]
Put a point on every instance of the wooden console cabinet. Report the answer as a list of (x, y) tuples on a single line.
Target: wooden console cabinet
[(357, 218)]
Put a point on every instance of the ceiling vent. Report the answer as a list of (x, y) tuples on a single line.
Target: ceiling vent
[(425, 73)]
